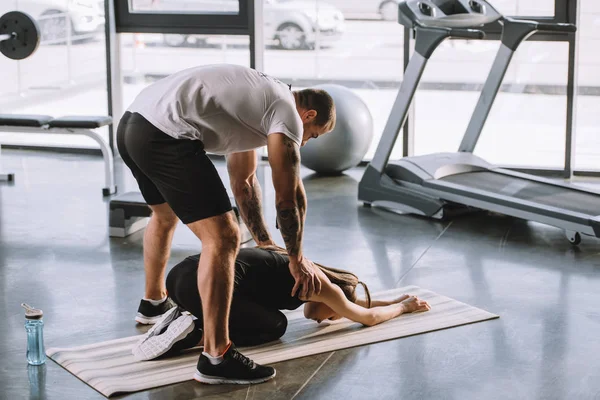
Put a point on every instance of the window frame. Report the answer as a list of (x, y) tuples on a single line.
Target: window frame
[(220, 23)]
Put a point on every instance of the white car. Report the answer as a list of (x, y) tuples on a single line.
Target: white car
[(292, 24), (85, 16)]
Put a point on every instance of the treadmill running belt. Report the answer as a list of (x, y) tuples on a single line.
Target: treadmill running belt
[(555, 196)]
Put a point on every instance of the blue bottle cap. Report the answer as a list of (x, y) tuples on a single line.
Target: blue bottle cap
[(32, 313)]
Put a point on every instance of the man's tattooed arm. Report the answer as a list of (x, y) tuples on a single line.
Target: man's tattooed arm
[(248, 196), (290, 211), (249, 202), (284, 156)]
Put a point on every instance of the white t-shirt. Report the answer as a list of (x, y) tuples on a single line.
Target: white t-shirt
[(229, 108)]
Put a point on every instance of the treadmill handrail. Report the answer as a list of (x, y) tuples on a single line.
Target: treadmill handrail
[(515, 31), (558, 27), (428, 39)]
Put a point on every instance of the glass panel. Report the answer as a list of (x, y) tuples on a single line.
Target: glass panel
[(588, 100), (387, 10), (185, 6), (148, 57), (528, 8), (67, 74), (526, 126), (310, 43), (367, 9)]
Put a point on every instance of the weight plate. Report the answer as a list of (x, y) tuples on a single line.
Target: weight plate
[(27, 35)]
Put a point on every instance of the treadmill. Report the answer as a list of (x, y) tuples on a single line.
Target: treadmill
[(436, 185)]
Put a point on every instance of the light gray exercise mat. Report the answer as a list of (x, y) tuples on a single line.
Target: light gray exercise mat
[(109, 367)]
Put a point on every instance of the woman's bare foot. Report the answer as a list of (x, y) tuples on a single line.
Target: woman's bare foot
[(413, 304)]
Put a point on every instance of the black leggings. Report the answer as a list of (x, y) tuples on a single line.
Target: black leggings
[(250, 323)]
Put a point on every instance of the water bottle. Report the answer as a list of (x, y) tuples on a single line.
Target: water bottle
[(34, 325)]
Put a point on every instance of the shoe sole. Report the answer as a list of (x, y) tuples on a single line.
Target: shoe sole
[(145, 320), (158, 345), (218, 380), (164, 320), (142, 319)]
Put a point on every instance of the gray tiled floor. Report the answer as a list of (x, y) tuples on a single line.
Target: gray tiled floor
[(55, 254)]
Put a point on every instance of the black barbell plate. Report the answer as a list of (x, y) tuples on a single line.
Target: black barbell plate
[(27, 38)]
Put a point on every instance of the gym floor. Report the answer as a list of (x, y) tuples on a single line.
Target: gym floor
[(55, 254)]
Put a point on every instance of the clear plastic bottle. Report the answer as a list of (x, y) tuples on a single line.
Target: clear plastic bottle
[(34, 325)]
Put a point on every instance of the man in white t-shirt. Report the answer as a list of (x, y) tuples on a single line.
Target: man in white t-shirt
[(163, 138)]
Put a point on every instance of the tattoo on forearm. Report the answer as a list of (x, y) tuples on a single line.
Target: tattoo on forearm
[(290, 225), (293, 153), (290, 216), (251, 209)]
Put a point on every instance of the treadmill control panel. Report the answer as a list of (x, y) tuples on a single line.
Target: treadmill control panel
[(446, 13)]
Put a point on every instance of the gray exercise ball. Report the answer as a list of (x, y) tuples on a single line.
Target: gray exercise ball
[(347, 144)]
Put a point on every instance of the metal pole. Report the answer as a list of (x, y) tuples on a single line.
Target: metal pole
[(486, 99), (399, 111), (257, 40), (408, 133), (570, 141), (114, 81)]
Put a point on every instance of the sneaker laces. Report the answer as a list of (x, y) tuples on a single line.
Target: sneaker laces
[(236, 355)]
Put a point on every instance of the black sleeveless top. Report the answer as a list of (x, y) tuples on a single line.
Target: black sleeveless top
[(264, 277)]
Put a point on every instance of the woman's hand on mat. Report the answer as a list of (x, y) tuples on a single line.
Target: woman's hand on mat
[(413, 304), (401, 299), (307, 281)]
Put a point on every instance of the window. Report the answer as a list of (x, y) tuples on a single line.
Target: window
[(588, 102), (310, 43), (540, 8), (67, 74), (148, 57), (526, 126)]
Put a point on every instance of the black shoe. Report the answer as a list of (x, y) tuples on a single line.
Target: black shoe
[(235, 368), (148, 314), (190, 341)]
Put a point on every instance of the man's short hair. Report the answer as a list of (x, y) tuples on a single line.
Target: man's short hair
[(320, 101)]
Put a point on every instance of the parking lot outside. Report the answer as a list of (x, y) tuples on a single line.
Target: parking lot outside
[(67, 75)]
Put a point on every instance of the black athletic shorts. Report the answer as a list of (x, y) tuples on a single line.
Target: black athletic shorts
[(175, 171)]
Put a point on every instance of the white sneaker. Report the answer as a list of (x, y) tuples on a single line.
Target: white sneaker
[(161, 324), (156, 344)]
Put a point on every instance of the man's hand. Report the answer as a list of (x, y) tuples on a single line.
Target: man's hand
[(307, 280)]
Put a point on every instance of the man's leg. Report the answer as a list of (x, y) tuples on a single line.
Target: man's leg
[(220, 362), (220, 243), (132, 134), (157, 248), (187, 180)]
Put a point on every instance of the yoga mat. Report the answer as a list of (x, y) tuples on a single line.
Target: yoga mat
[(109, 367)]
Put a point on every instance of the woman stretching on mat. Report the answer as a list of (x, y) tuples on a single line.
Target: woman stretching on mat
[(262, 287)]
